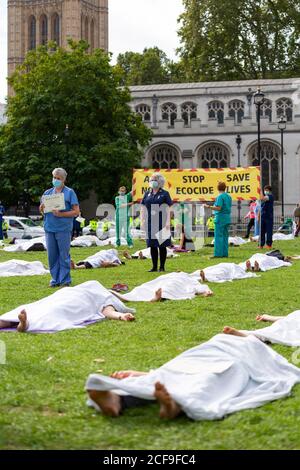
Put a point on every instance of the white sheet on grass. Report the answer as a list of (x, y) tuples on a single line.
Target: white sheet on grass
[(86, 241), (22, 245), (224, 375), (266, 263), (285, 331), (223, 272), (109, 256), (67, 308), (175, 286), (236, 241), (277, 237), (18, 267), (147, 253)]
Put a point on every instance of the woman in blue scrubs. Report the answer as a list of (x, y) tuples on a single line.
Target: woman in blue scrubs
[(222, 208), (58, 226), (156, 220)]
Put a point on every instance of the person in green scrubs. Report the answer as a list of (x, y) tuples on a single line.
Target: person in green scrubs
[(222, 211), (123, 202)]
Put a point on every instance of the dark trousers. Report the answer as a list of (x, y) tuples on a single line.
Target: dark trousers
[(128, 401), (249, 227), (266, 228), (162, 256), (1, 232)]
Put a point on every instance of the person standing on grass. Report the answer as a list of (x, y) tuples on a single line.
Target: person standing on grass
[(222, 210), (267, 216), (58, 226), (123, 202), (251, 216), (2, 211)]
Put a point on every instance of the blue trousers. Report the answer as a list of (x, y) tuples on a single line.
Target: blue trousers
[(1, 231), (58, 248), (266, 228), (221, 240)]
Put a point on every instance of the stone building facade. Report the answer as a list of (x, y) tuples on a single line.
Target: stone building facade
[(35, 22), (195, 125)]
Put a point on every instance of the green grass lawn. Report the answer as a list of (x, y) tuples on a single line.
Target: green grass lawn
[(42, 384)]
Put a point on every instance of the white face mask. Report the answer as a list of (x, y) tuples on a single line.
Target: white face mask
[(153, 184)]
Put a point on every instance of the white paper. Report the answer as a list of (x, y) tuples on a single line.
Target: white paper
[(54, 202)]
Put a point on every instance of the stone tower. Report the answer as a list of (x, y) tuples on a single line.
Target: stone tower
[(34, 22)]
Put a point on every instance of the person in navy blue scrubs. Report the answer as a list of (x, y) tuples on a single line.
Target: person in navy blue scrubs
[(267, 217), (58, 226), (156, 220)]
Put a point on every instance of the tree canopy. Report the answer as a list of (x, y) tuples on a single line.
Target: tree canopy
[(70, 110), (240, 39)]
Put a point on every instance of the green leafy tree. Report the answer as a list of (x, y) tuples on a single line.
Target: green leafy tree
[(105, 139), (240, 39)]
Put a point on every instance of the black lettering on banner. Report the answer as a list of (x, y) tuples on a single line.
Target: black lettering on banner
[(146, 179), (198, 191)]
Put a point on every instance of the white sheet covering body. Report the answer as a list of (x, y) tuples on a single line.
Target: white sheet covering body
[(68, 308), (236, 241), (147, 253), (285, 331), (266, 263), (223, 272), (21, 245), (175, 286), (277, 237), (86, 241), (109, 256), (224, 375), (18, 267)]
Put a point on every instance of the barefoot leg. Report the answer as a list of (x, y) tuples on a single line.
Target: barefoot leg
[(168, 407), (6, 324), (109, 402), (248, 265), (23, 325), (232, 331), (202, 275), (256, 266), (158, 296), (126, 254), (268, 318)]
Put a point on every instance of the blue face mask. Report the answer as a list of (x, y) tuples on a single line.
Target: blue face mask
[(56, 183), (153, 184), (267, 193)]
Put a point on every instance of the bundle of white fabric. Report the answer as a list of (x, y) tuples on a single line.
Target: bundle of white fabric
[(235, 241), (265, 262), (67, 308), (17, 267), (222, 376), (86, 241), (21, 245), (223, 272), (146, 253)]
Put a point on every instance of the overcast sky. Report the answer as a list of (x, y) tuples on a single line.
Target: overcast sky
[(134, 25)]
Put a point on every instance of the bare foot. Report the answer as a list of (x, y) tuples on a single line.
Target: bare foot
[(141, 256), (232, 331), (208, 293), (109, 402), (23, 325), (158, 296), (202, 275), (126, 317), (248, 265), (126, 254), (266, 317), (72, 264), (168, 407), (256, 267)]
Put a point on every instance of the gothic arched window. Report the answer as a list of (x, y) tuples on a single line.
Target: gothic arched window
[(92, 41), (236, 110), (43, 30), (213, 155), (55, 29), (188, 112), (32, 33), (270, 165), (169, 113), (144, 111), (216, 111), (266, 109), (164, 157), (284, 107)]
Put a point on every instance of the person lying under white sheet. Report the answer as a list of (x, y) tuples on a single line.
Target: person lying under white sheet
[(222, 272), (284, 330), (222, 376), (262, 262), (18, 267), (146, 254), (102, 259), (86, 241), (67, 308), (173, 286), (22, 245)]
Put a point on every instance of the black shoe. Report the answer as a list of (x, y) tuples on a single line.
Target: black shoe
[(153, 270), (161, 270)]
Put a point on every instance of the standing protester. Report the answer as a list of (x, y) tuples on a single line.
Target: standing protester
[(251, 216), (210, 224), (2, 211), (222, 208), (267, 215), (58, 226), (257, 219), (123, 202), (156, 220)]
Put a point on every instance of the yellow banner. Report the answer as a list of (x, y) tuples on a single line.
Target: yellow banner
[(201, 184)]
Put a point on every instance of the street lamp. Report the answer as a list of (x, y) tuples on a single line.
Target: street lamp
[(238, 141), (282, 128), (259, 99), (67, 133)]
